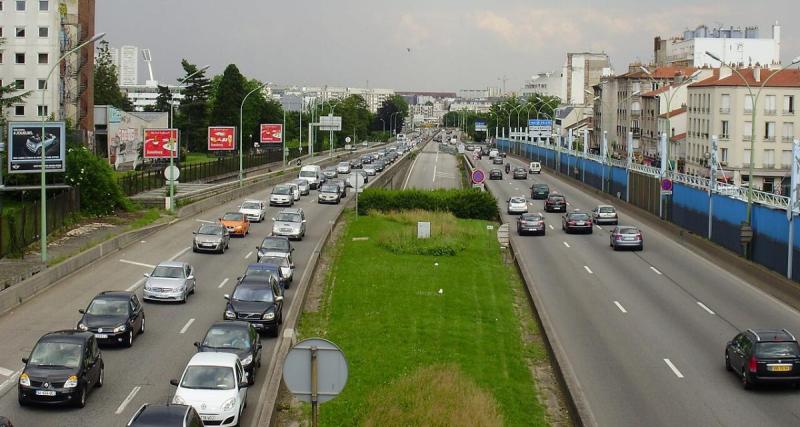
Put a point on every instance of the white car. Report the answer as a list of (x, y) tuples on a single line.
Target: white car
[(493, 153), (535, 167), (517, 205), (254, 210), (295, 190), (215, 384), (343, 168), (281, 195)]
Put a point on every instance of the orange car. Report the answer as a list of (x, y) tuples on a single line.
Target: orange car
[(236, 223)]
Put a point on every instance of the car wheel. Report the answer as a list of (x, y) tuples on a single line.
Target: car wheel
[(641, 247), (129, 342), (251, 378), (185, 296), (21, 400), (591, 230), (728, 366), (747, 384), (100, 379), (81, 403), (194, 249)]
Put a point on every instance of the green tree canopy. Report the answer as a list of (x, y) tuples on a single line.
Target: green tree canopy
[(193, 119), (106, 81)]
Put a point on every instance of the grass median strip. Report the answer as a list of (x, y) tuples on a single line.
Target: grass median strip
[(431, 329)]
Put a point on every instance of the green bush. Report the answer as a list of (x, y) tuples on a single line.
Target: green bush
[(99, 191), (461, 203)]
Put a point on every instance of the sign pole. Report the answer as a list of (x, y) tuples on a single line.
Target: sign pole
[(314, 400), (663, 172), (283, 138), (712, 183), (585, 152), (603, 165), (628, 163)]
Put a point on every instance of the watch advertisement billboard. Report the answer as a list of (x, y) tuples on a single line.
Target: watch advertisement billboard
[(26, 142)]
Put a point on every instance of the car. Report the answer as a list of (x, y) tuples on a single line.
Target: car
[(370, 170), (62, 368), (303, 186), (274, 246), (576, 221), (258, 304), (535, 167), (626, 237), (295, 190), (329, 193), (540, 191), (312, 174), (605, 214), (236, 223), (343, 168), (290, 223), (264, 268), (531, 223), (760, 356), (114, 317), (169, 415), (281, 195), (170, 281), (493, 153), (5, 422), (497, 160), (342, 186), (495, 174), (237, 337), (282, 266), (254, 210), (519, 173), (555, 202), (355, 163), (517, 205), (380, 165), (366, 159), (212, 238), (330, 172), (215, 385)]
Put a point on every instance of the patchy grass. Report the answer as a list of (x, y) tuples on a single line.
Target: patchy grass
[(385, 310), (148, 217)]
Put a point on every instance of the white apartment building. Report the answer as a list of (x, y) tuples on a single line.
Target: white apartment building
[(582, 71), (549, 84), (721, 105), (734, 46), (128, 68), (475, 105), (143, 96)]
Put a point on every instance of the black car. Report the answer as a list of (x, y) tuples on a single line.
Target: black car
[(497, 160), (114, 317), (62, 368), (329, 193), (169, 415), (366, 159), (576, 221), (540, 191), (355, 164), (495, 174), (531, 223), (555, 202), (274, 245), (520, 173), (258, 304), (330, 172), (239, 338), (379, 165), (764, 356)]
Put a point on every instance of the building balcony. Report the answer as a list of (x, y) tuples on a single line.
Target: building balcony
[(787, 139), (769, 138), (724, 110), (724, 137), (636, 113), (788, 112), (770, 111), (768, 166), (748, 111), (746, 138)]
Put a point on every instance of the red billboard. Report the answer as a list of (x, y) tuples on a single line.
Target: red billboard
[(160, 143), (221, 138), (271, 133)]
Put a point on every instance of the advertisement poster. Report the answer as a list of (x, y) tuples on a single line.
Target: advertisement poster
[(221, 138), (125, 130), (26, 142), (160, 143), (271, 133)]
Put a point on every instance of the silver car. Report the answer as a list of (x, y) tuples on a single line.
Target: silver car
[(281, 196), (254, 210), (295, 190), (343, 168), (517, 205), (303, 185), (290, 223), (369, 169), (169, 281), (283, 262), (211, 238), (605, 214)]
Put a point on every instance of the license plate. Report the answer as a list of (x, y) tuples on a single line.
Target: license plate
[(45, 393), (207, 245), (101, 336), (286, 230), (779, 368), (209, 417), (627, 238), (581, 223)]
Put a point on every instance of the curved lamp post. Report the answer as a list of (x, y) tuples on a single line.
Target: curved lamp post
[(241, 112)]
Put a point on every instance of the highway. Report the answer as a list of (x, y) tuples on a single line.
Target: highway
[(645, 332), (432, 169), (141, 374)]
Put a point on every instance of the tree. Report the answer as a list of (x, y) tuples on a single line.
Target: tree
[(194, 108), (395, 104), (164, 99), (106, 81), (228, 97)]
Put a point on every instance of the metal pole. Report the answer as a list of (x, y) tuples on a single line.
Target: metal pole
[(585, 152), (302, 106), (628, 168), (712, 183), (283, 138), (314, 386), (663, 171), (603, 156)]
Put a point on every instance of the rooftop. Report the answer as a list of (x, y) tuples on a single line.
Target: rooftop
[(673, 113), (786, 78), (666, 72), (658, 91)]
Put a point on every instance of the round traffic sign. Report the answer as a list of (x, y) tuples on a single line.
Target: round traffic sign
[(478, 176), (347, 139), (666, 184), (172, 173), (331, 369)]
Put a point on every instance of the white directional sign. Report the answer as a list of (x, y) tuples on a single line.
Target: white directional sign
[(539, 128), (329, 123)]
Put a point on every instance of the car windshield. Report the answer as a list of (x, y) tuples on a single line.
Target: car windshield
[(329, 189), (168, 272), (628, 230), (310, 174), (344, 164), (281, 189), (252, 294), (263, 273), (233, 216), (606, 209), (237, 338), (517, 200), (208, 378), (777, 349), (531, 217), (288, 217), (211, 230), (56, 354), (541, 187), (275, 260), (280, 245), (251, 205), (108, 307), (579, 216)]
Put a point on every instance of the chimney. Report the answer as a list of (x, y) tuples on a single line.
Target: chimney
[(757, 74), (725, 72)]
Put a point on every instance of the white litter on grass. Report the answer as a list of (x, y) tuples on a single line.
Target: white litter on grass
[(441, 291), (359, 239), (435, 264), (81, 231)]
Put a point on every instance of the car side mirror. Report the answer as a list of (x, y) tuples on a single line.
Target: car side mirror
[(25, 360), (279, 298), (304, 221), (173, 382), (81, 311), (292, 249), (191, 277), (196, 344), (194, 232), (227, 297), (243, 384), (146, 274), (273, 218), (260, 346), (220, 219)]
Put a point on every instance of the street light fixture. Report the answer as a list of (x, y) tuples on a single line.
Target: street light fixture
[(43, 184), (241, 131)]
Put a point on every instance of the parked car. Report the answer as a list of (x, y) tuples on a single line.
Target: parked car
[(114, 317), (303, 185), (329, 193), (260, 305), (343, 168), (282, 267), (517, 205), (764, 356), (281, 196), (170, 281), (330, 172), (519, 173), (555, 202), (531, 223), (535, 167), (212, 238), (236, 223), (495, 174), (236, 337), (626, 237), (605, 214), (61, 369), (254, 210), (215, 383), (290, 223), (576, 221), (168, 415), (295, 190), (540, 191), (274, 246)]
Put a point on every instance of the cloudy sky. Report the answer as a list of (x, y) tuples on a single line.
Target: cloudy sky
[(415, 44)]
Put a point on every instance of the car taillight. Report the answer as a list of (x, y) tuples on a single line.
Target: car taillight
[(571, 222), (618, 237), (638, 237), (752, 366)]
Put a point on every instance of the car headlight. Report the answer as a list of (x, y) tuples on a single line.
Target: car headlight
[(247, 360), (82, 327), (177, 400), (71, 382), (120, 328), (229, 404), (25, 380), (229, 314), (269, 316)]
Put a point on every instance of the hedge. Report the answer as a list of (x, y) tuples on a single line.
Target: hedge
[(466, 203)]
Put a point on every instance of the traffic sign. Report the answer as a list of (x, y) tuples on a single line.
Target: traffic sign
[(347, 139), (478, 176), (666, 184), (356, 180), (172, 173), (319, 356)]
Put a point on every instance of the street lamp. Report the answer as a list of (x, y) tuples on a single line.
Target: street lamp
[(43, 184), (393, 123), (241, 120)]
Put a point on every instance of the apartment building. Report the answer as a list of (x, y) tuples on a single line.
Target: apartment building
[(721, 105), (733, 45)]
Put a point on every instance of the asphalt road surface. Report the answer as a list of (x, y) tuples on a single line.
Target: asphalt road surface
[(645, 332), (432, 169)]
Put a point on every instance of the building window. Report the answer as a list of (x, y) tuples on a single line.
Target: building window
[(746, 157), (748, 104), (1, 28), (44, 32), (19, 84), (786, 159), (41, 110), (44, 6), (747, 131), (788, 131), (20, 32), (724, 155), (19, 58), (788, 104), (19, 110), (725, 103), (769, 158), (769, 131), (43, 58), (1, 5), (769, 104), (725, 130), (20, 5), (42, 84)]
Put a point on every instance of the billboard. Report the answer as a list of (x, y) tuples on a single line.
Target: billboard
[(160, 143), (125, 132), (480, 126), (26, 142), (330, 123), (221, 138), (271, 133)]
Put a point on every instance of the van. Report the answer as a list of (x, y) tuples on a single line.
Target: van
[(535, 167), (312, 174), (493, 153)]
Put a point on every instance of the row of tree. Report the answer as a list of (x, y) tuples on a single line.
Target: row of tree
[(511, 112)]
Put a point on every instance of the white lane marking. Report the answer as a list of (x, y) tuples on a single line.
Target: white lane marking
[(655, 270), (435, 163), (566, 244), (127, 400), (249, 254), (549, 225), (620, 307), (674, 369), (137, 263), (704, 307), (200, 220), (223, 283), (410, 170), (588, 270), (186, 326), (530, 203), (138, 283), (181, 252), (6, 372), (599, 227), (143, 241), (10, 382)]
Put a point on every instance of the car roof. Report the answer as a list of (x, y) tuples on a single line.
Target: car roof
[(66, 335), (772, 335), (213, 359), (252, 201), (115, 294), (291, 210), (172, 264), (160, 415), (605, 206), (230, 324)]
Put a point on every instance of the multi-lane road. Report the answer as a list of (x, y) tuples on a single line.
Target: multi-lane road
[(432, 169), (645, 332)]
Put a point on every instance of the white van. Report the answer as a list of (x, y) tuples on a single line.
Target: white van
[(535, 167), (493, 153), (312, 174)]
